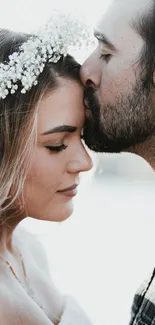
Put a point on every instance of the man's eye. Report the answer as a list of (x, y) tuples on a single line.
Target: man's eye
[(56, 148), (106, 57)]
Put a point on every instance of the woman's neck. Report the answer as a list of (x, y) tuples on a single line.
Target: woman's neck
[(6, 234), (6, 242)]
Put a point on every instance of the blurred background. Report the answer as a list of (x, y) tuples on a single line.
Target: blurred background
[(103, 252)]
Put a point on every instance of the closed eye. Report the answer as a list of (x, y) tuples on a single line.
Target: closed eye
[(106, 57), (56, 148)]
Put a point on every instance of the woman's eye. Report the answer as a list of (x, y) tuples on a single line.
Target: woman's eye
[(106, 57), (56, 148)]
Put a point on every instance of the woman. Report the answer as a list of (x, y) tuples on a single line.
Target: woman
[(41, 155)]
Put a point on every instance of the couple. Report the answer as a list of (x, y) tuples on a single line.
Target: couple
[(48, 105)]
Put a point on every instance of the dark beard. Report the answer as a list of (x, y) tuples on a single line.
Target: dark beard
[(117, 127)]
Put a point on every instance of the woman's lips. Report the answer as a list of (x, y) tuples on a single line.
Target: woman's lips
[(69, 192)]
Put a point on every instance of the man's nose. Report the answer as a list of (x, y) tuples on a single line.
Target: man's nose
[(90, 72)]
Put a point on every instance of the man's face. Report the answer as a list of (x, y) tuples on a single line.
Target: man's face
[(122, 112)]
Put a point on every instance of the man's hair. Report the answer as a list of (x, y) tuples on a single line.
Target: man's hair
[(18, 117), (145, 26)]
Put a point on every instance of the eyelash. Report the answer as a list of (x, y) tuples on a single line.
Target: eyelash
[(56, 149), (105, 57)]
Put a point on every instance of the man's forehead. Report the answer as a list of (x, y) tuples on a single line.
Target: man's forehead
[(121, 13)]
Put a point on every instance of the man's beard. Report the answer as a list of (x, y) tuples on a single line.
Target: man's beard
[(117, 127)]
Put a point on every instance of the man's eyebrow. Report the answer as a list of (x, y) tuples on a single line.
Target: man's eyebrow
[(102, 38), (61, 128)]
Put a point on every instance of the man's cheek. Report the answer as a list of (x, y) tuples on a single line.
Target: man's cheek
[(119, 84)]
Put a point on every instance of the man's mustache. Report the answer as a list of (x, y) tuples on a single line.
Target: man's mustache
[(89, 97)]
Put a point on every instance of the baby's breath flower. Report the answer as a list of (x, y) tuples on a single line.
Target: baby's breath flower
[(48, 45)]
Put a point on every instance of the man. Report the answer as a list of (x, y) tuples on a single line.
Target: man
[(121, 71), (120, 99)]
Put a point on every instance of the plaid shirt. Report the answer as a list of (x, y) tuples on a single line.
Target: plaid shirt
[(143, 308)]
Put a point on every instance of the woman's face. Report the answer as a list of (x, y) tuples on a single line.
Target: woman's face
[(59, 155)]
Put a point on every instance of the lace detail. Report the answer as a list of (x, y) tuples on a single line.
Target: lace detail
[(73, 314)]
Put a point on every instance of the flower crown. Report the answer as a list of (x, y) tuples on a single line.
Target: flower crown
[(48, 45)]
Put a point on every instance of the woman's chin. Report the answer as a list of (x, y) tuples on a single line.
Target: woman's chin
[(57, 214)]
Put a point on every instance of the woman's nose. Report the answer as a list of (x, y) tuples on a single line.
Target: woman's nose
[(86, 163), (82, 162)]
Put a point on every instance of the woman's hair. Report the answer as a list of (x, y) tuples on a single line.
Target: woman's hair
[(18, 117)]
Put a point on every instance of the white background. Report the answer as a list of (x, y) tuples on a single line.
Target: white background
[(26, 15), (103, 252)]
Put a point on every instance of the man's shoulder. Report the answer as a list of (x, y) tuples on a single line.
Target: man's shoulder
[(143, 307)]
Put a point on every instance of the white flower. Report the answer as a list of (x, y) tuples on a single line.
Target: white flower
[(9, 84), (61, 32), (23, 91), (3, 92)]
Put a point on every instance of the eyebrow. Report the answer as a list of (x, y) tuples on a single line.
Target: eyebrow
[(61, 128), (102, 38)]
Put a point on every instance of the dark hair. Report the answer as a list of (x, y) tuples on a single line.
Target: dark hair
[(145, 26), (18, 118)]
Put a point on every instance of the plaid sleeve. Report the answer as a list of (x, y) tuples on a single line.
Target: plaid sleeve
[(143, 307)]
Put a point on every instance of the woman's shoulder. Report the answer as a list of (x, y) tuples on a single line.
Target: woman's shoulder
[(16, 308), (73, 313)]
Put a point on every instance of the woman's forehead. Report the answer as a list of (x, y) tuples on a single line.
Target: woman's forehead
[(63, 105)]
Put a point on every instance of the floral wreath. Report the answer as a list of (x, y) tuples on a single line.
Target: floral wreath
[(47, 45)]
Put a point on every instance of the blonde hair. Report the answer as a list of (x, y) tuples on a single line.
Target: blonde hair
[(18, 120)]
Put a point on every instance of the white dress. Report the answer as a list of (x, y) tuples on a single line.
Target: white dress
[(73, 314)]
